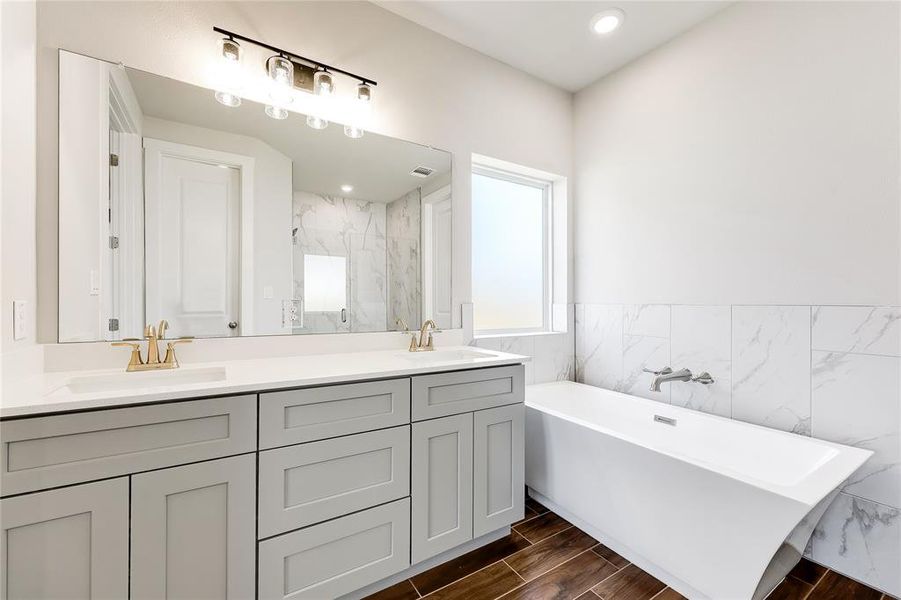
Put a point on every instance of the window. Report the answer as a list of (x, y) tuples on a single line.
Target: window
[(325, 283), (511, 252)]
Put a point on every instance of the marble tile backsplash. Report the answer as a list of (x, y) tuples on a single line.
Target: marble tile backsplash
[(553, 356), (833, 372)]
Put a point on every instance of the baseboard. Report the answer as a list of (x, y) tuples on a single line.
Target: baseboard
[(427, 564)]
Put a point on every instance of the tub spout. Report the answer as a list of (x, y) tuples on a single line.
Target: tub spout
[(666, 375)]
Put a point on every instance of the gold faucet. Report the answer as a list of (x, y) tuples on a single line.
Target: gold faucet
[(152, 335), (424, 344)]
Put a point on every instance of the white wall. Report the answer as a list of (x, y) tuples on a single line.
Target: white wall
[(753, 159), (271, 212), (84, 187), (17, 184), (431, 90)]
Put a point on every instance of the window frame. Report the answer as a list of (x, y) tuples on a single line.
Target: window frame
[(547, 241)]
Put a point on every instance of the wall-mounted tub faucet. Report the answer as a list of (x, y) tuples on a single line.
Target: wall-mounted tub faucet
[(666, 375)]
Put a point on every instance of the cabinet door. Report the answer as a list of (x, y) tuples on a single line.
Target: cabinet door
[(66, 543), (498, 468), (193, 531), (441, 486)]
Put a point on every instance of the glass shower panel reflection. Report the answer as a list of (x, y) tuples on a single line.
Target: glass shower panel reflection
[(341, 231)]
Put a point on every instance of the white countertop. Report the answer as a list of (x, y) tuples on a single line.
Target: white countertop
[(52, 392)]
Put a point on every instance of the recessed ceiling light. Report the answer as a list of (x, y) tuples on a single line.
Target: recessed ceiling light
[(347, 188), (607, 21)]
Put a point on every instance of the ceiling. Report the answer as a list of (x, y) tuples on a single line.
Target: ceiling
[(377, 166), (552, 40)]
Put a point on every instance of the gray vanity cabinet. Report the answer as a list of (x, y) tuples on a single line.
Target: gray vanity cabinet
[(441, 485), (192, 531), (308, 493), (467, 469), (66, 543), (498, 468)]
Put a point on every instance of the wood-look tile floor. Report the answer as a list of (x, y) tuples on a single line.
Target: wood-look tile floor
[(547, 558)]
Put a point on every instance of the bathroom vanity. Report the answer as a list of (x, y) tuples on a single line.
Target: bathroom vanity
[(295, 481)]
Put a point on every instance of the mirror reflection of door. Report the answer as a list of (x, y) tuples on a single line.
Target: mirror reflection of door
[(193, 201), (437, 241)]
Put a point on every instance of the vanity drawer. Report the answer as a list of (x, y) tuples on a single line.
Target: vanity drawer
[(336, 557), (45, 452), (305, 484), (304, 415), (466, 391)]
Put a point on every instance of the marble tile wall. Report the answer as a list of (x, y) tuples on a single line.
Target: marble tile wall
[(833, 372), (552, 354), (404, 232), (355, 229)]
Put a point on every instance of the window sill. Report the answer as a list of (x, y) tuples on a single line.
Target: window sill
[(495, 336)]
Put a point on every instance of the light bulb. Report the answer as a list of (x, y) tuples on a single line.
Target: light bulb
[(364, 93), (228, 98), (607, 21), (316, 122), (352, 131), (361, 109), (229, 74), (276, 112), (281, 80), (347, 188), (323, 84)]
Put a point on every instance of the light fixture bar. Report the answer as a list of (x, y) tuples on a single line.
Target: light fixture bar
[(309, 61)]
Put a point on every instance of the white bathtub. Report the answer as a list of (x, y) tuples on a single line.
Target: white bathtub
[(718, 509)]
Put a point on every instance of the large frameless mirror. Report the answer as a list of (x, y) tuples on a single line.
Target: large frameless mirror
[(226, 222)]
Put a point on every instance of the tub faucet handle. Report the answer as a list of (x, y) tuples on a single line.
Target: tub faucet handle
[(704, 378), (663, 371)]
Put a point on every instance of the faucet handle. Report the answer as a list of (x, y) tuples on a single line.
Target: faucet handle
[(170, 358), (663, 371), (704, 378), (135, 358)]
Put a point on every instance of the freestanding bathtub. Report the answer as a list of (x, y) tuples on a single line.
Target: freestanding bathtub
[(717, 509)]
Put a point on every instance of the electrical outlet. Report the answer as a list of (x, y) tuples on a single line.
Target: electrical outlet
[(292, 314), (19, 319)]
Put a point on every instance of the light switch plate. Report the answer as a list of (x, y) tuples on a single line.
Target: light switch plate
[(95, 282), (19, 319)]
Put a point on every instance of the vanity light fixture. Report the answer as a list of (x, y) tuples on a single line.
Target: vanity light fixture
[(347, 188), (607, 21), (281, 71), (230, 76)]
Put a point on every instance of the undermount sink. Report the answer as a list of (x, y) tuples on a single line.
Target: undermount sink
[(112, 382), (447, 355)]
